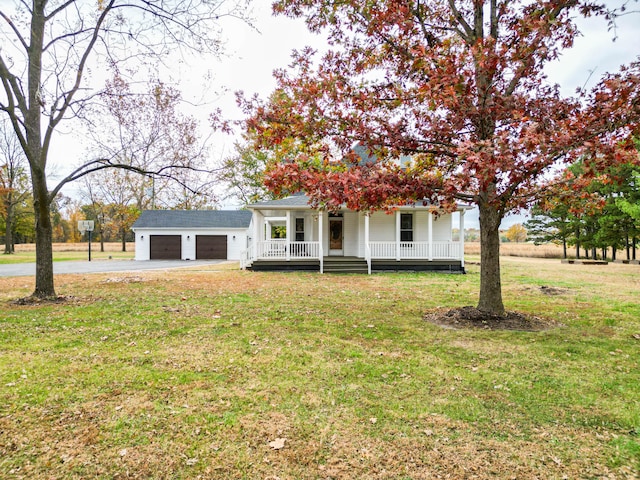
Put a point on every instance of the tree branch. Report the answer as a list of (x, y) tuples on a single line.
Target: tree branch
[(15, 30)]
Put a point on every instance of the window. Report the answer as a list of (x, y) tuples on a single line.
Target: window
[(406, 227), (299, 229), (278, 231)]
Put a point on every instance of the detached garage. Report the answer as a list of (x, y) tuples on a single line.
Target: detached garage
[(191, 234)]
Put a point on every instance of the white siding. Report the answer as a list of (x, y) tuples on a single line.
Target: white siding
[(442, 228), (421, 226), (382, 227), (235, 245), (351, 234)]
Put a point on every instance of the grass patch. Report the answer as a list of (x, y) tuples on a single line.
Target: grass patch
[(63, 252), (187, 374)]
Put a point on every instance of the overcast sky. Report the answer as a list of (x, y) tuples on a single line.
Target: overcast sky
[(253, 54), (257, 54)]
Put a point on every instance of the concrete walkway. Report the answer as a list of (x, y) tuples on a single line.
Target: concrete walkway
[(102, 266)]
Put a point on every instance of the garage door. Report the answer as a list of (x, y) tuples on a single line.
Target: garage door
[(210, 247), (165, 247)]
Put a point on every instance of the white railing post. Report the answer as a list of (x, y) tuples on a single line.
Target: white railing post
[(367, 247), (398, 235), (320, 247), (461, 239), (288, 236), (430, 236)]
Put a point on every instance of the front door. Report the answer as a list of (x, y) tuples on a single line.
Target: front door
[(335, 236)]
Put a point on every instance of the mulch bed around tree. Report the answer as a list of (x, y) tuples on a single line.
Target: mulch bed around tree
[(33, 300), (471, 317)]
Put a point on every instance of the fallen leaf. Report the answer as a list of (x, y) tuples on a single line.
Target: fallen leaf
[(277, 444)]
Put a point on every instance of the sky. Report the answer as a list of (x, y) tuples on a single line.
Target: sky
[(254, 53)]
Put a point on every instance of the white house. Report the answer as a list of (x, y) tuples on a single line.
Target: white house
[(288, 234), (191, 234)]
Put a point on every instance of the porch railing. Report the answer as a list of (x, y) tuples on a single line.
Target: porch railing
[(415, 250), (280, 249)]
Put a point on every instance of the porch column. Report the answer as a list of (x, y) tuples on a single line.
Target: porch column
[(320, 240), (288, 238), (461, 239), (367, 247), (430, 235), (258, 226), (397, 235)]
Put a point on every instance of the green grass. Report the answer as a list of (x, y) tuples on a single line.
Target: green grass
[(58, 256), (188, 374)]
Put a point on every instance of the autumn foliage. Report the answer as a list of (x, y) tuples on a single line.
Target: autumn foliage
[(461, 88)]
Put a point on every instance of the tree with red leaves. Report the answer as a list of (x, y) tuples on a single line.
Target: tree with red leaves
[(457, 85)]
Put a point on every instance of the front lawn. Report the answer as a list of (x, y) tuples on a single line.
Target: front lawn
[(238, 375)]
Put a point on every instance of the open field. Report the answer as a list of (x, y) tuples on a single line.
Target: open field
[(224, 374), (26, 253), (510, 249)]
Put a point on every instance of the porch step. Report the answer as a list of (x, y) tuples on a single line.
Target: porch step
[(344, 265)]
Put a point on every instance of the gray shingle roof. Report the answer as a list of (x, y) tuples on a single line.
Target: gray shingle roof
[(301, 202), (193, 219), (292, 201)]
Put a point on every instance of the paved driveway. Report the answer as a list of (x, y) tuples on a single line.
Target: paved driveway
[(102, 266)]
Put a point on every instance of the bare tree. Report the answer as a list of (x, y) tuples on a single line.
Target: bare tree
[(47, 48), (13, 181), (147, 130)]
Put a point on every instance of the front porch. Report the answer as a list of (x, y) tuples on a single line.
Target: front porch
[(417, 237), (281, 254)]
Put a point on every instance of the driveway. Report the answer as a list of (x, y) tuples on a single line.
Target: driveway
[(102, 266)]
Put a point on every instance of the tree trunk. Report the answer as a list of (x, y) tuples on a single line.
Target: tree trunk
[(627, 246), (44, 251), (124, 240), (8, 233), (564, 247), (490, 286), (37, 157), (634, 240)]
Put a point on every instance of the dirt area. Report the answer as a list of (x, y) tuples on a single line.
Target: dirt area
[(32, 300), (471, 317)]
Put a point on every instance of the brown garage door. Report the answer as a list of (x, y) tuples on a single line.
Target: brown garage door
[(165, 247), (211, 247)]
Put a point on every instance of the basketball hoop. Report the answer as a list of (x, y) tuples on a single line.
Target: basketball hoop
[(86, 226)]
